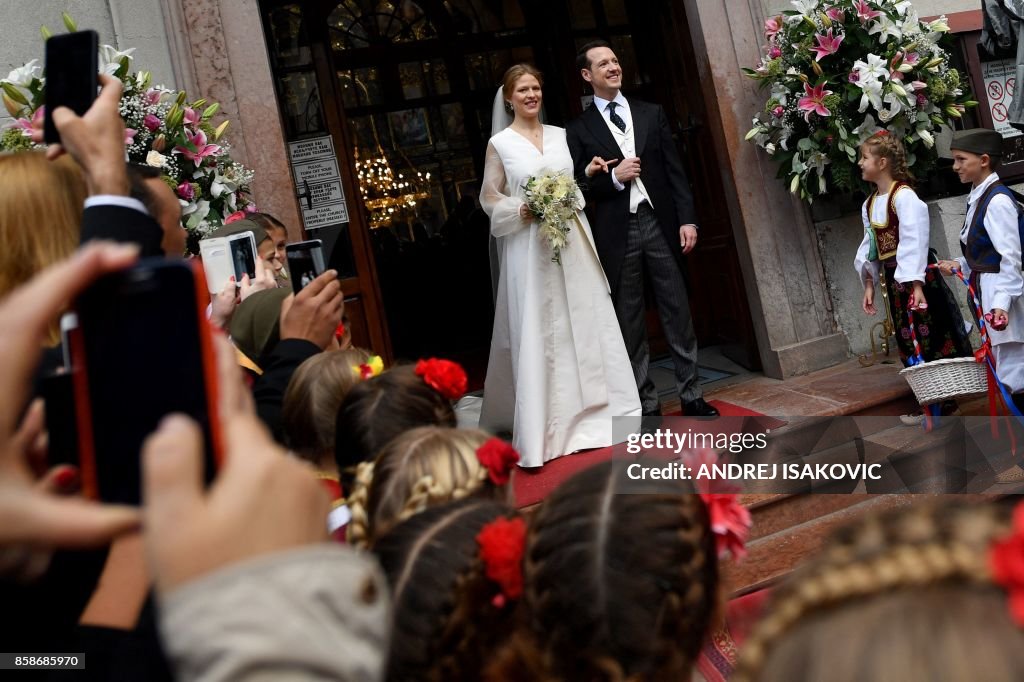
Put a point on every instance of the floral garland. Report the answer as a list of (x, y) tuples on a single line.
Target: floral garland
[(839, 71), (163, 130)]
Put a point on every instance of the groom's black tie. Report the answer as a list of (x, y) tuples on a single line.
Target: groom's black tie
[(615, 118)]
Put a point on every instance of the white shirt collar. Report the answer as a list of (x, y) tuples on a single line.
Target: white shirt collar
[(980, 189), (602, 104)]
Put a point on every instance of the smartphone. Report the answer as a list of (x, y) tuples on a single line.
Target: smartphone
[(71, 76), (142, 350), (305, 262), (242, 248)]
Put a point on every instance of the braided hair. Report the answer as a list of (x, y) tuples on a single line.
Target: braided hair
[(906, 595), (889, 147), (617, 586), (445, 624), (423, 467)]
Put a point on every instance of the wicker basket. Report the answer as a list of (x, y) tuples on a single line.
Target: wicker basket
[(939, 380)]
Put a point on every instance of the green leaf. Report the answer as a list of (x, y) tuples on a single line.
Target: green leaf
[(122, 69), (69, 23), (805, 144)]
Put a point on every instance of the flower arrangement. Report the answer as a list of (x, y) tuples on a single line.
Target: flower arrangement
[(837, 72), (163, 130), (554, 198)]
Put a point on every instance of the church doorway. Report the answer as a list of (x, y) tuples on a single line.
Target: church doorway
[(405, 89)]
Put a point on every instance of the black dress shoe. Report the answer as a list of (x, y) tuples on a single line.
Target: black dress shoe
[(698, 408)]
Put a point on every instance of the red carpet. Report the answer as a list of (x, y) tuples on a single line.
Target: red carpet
[(533, 485)]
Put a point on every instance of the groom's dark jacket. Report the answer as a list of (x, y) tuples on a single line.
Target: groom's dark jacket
[(660, 169)]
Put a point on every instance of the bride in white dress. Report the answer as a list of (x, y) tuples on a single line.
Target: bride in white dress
[(558, 370)]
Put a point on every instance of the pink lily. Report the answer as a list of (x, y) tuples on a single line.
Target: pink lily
[(129, 135), (200, 151), (813, 101), (151, 122), (864, 11), (827, 44), (191, 117), (836, 14), (911, 58), (152, 96), (25, 125), (772, 27)]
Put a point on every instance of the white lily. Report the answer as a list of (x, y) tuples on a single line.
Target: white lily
[(110, 58), (874, 69), (926, 137), (24, 75), (885, 28), (939, 25), (779, 93), (872, 94)]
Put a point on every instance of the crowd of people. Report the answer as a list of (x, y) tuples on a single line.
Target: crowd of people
[(354, 532)]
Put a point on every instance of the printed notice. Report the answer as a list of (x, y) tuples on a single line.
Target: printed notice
[(1000, 82), (322, 216), (318, 180)]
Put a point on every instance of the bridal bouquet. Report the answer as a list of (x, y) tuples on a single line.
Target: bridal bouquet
[(163, 130), (837, 72), (554, 198)]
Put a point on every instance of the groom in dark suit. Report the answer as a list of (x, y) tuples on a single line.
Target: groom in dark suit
[(643, 218)]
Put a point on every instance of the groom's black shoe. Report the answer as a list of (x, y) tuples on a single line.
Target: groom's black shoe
[(698, 408)]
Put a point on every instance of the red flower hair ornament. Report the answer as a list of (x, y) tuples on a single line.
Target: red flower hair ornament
[(498, 457), (1006, 558), (502, 543), (444, 376), (730, 522)]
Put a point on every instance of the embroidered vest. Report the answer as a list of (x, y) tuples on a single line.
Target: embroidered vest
[(886, 236), (978, 251)]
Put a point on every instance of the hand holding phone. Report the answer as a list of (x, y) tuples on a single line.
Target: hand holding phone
[(305, 262), (71, 76), (143, 351)]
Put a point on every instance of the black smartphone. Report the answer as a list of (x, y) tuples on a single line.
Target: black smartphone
[(142, 350), (72, 76), (305, 262)]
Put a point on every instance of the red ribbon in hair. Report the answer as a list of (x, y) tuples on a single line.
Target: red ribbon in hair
[(502, 543), (444, 376), (730, 522), (1006, 558), (498, 457)]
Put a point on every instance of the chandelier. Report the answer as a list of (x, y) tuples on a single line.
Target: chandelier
[(388, 197)]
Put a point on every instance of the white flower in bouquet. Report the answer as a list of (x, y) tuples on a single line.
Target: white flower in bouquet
[(554, 198)]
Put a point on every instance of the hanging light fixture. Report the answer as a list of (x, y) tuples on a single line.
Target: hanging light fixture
[(388, 197)]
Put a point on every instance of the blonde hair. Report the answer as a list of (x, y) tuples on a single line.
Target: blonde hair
[(888, 146), (421, 468), (906, 592), (311, 401), (40, 216), (514, 73)]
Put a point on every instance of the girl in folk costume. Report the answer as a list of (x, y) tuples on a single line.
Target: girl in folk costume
[(991, 244), (895, 253)]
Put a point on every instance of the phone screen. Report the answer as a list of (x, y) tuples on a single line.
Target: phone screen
[(71, 75), (243, 255), (142, 358), (305, 262)]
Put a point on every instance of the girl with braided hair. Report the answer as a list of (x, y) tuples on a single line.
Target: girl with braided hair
[(453, 571), (905, 596), (425, 467), (616, 586), (895, 253)]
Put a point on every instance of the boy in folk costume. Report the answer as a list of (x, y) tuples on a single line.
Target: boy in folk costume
[(895, 253), (991, 245)]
